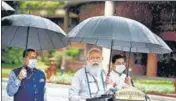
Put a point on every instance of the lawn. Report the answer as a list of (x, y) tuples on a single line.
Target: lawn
[(155, 86)]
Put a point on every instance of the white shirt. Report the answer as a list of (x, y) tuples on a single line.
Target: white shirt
[(118, 79), (79, 89)]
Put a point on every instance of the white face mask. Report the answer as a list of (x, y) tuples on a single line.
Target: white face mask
[(32, 63), (120, 68)]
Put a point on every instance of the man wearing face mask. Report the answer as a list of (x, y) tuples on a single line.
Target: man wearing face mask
[(117, 78), (27, 83), (89, 82)]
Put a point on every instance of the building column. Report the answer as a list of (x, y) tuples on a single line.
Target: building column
[(152, 65), (108, 11), (66, 23)]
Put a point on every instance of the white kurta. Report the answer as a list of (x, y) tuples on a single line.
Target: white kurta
[(119, 80), (79, 90)]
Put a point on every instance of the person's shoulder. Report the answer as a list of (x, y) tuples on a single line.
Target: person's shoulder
[(39, 71), (16, 70), (80, 71)]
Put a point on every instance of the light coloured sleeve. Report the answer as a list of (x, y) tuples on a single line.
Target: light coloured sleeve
[(110, 85), (13, 84), (45, 95), (75, 89), (121, 82), (45, 89)]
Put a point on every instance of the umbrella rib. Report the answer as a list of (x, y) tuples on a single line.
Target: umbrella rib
[(49, 36), (5, 29), (62, 42), (129, 32), (47, 31), (81, 40), (51, 39), (39, 38), (96, 26), (14, 35), (159, 44), (96, 41)]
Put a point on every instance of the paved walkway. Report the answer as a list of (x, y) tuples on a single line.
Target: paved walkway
[(57, 92)]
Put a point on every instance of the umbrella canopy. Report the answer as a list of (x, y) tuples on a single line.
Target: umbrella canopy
[(29, 31), (6, 7), (118, 33)]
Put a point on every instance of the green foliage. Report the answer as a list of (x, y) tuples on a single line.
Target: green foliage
[(57, 55), (6, 72), (41, 5), (72, 53), (154, 81), (11, 65), (12, 55), (156, 86)]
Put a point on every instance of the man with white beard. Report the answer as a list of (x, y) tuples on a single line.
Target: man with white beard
[(89, 81)]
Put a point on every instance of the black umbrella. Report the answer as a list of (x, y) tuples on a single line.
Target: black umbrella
[(118, 33), (29, 31)]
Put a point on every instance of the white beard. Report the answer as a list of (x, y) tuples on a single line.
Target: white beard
[(95, 70)]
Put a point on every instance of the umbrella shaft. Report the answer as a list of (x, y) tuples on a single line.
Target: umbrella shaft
[(27, 35), (128, 62), (110, 57), (27, 39)]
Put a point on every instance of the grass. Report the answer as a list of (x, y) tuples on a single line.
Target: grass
[(155, 86), (5, 72), (154, 81), (10, 66)]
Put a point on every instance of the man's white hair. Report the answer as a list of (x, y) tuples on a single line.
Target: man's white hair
[(93, 49)]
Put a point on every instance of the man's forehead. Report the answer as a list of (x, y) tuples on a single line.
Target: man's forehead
[(94, 53), (32, 53), (120, 60)]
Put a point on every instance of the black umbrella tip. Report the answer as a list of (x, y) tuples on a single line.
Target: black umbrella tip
[(6, 22)]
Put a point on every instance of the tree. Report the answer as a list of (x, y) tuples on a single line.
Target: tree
[(11, 55)]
